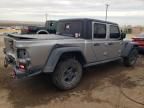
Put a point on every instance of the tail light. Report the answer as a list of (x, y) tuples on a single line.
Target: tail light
[(22, 67), (23, 62), (22, 53)]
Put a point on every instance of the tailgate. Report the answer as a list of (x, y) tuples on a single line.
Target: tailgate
[(10, 49), (17, 36)]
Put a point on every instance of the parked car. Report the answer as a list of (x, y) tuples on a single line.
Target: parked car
[(49, 28), (139, 41), (78, 44)]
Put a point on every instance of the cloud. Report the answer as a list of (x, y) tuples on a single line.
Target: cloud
[(62, 2), (102, 13), (35, 9)]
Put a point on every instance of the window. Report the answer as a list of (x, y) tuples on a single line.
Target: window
[(70, 28), (114, 32), (99, 30)]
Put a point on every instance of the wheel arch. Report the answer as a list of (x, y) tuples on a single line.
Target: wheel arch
[(78, 55), (63, 53), (128, 47)]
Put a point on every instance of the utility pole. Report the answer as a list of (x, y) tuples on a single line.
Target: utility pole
[(46, 16), (107, 6)]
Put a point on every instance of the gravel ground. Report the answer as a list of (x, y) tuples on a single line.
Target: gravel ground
[(105, 86)]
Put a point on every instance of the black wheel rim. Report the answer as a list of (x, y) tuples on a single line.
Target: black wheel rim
[(70, 74)]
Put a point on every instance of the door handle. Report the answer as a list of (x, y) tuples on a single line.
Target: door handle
[(96, 44)]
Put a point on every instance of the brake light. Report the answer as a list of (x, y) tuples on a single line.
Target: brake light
[(21, 66)]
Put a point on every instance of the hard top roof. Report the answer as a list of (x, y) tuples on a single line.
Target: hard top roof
[(88, 19)]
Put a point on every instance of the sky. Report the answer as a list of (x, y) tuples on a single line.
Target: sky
[(124, 12)]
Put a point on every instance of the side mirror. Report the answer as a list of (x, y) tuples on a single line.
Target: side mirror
[(123, 35)]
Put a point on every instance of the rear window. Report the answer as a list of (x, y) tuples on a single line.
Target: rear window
[(70, 28)]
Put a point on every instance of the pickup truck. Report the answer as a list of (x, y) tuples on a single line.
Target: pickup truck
[(79, 43), (49, 28)]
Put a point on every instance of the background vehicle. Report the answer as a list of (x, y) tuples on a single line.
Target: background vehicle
[(79, 43), (139, 41), (49, 28)]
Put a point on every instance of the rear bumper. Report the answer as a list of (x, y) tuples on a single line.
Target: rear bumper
[(24, 74), (19, 73)]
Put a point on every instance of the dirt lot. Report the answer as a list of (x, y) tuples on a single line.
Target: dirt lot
[(2, 31), (105, 86)]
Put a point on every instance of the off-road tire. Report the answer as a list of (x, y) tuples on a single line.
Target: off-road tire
[(131, 59), (67, 74)]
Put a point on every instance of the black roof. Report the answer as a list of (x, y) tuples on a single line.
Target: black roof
[(88, 19)]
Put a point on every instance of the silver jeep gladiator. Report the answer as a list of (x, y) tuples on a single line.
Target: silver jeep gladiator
[(79, 43)]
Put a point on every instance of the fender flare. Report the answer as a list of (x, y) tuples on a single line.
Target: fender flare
[(128, 47), (42, 31), (55, 56)]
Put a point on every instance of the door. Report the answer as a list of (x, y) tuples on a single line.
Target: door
[(99, 41), (114, 42)]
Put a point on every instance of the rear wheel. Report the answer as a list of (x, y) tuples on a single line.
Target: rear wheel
[(68, 74), (132, 58)]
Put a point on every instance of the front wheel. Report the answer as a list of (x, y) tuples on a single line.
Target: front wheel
[(131, 59), (67, 75)]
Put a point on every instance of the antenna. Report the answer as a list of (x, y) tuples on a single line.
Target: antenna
[(107, 6)]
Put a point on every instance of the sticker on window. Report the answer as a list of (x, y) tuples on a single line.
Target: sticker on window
[(67, 27)]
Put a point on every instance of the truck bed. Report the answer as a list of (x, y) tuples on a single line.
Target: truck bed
[(38, 36)]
